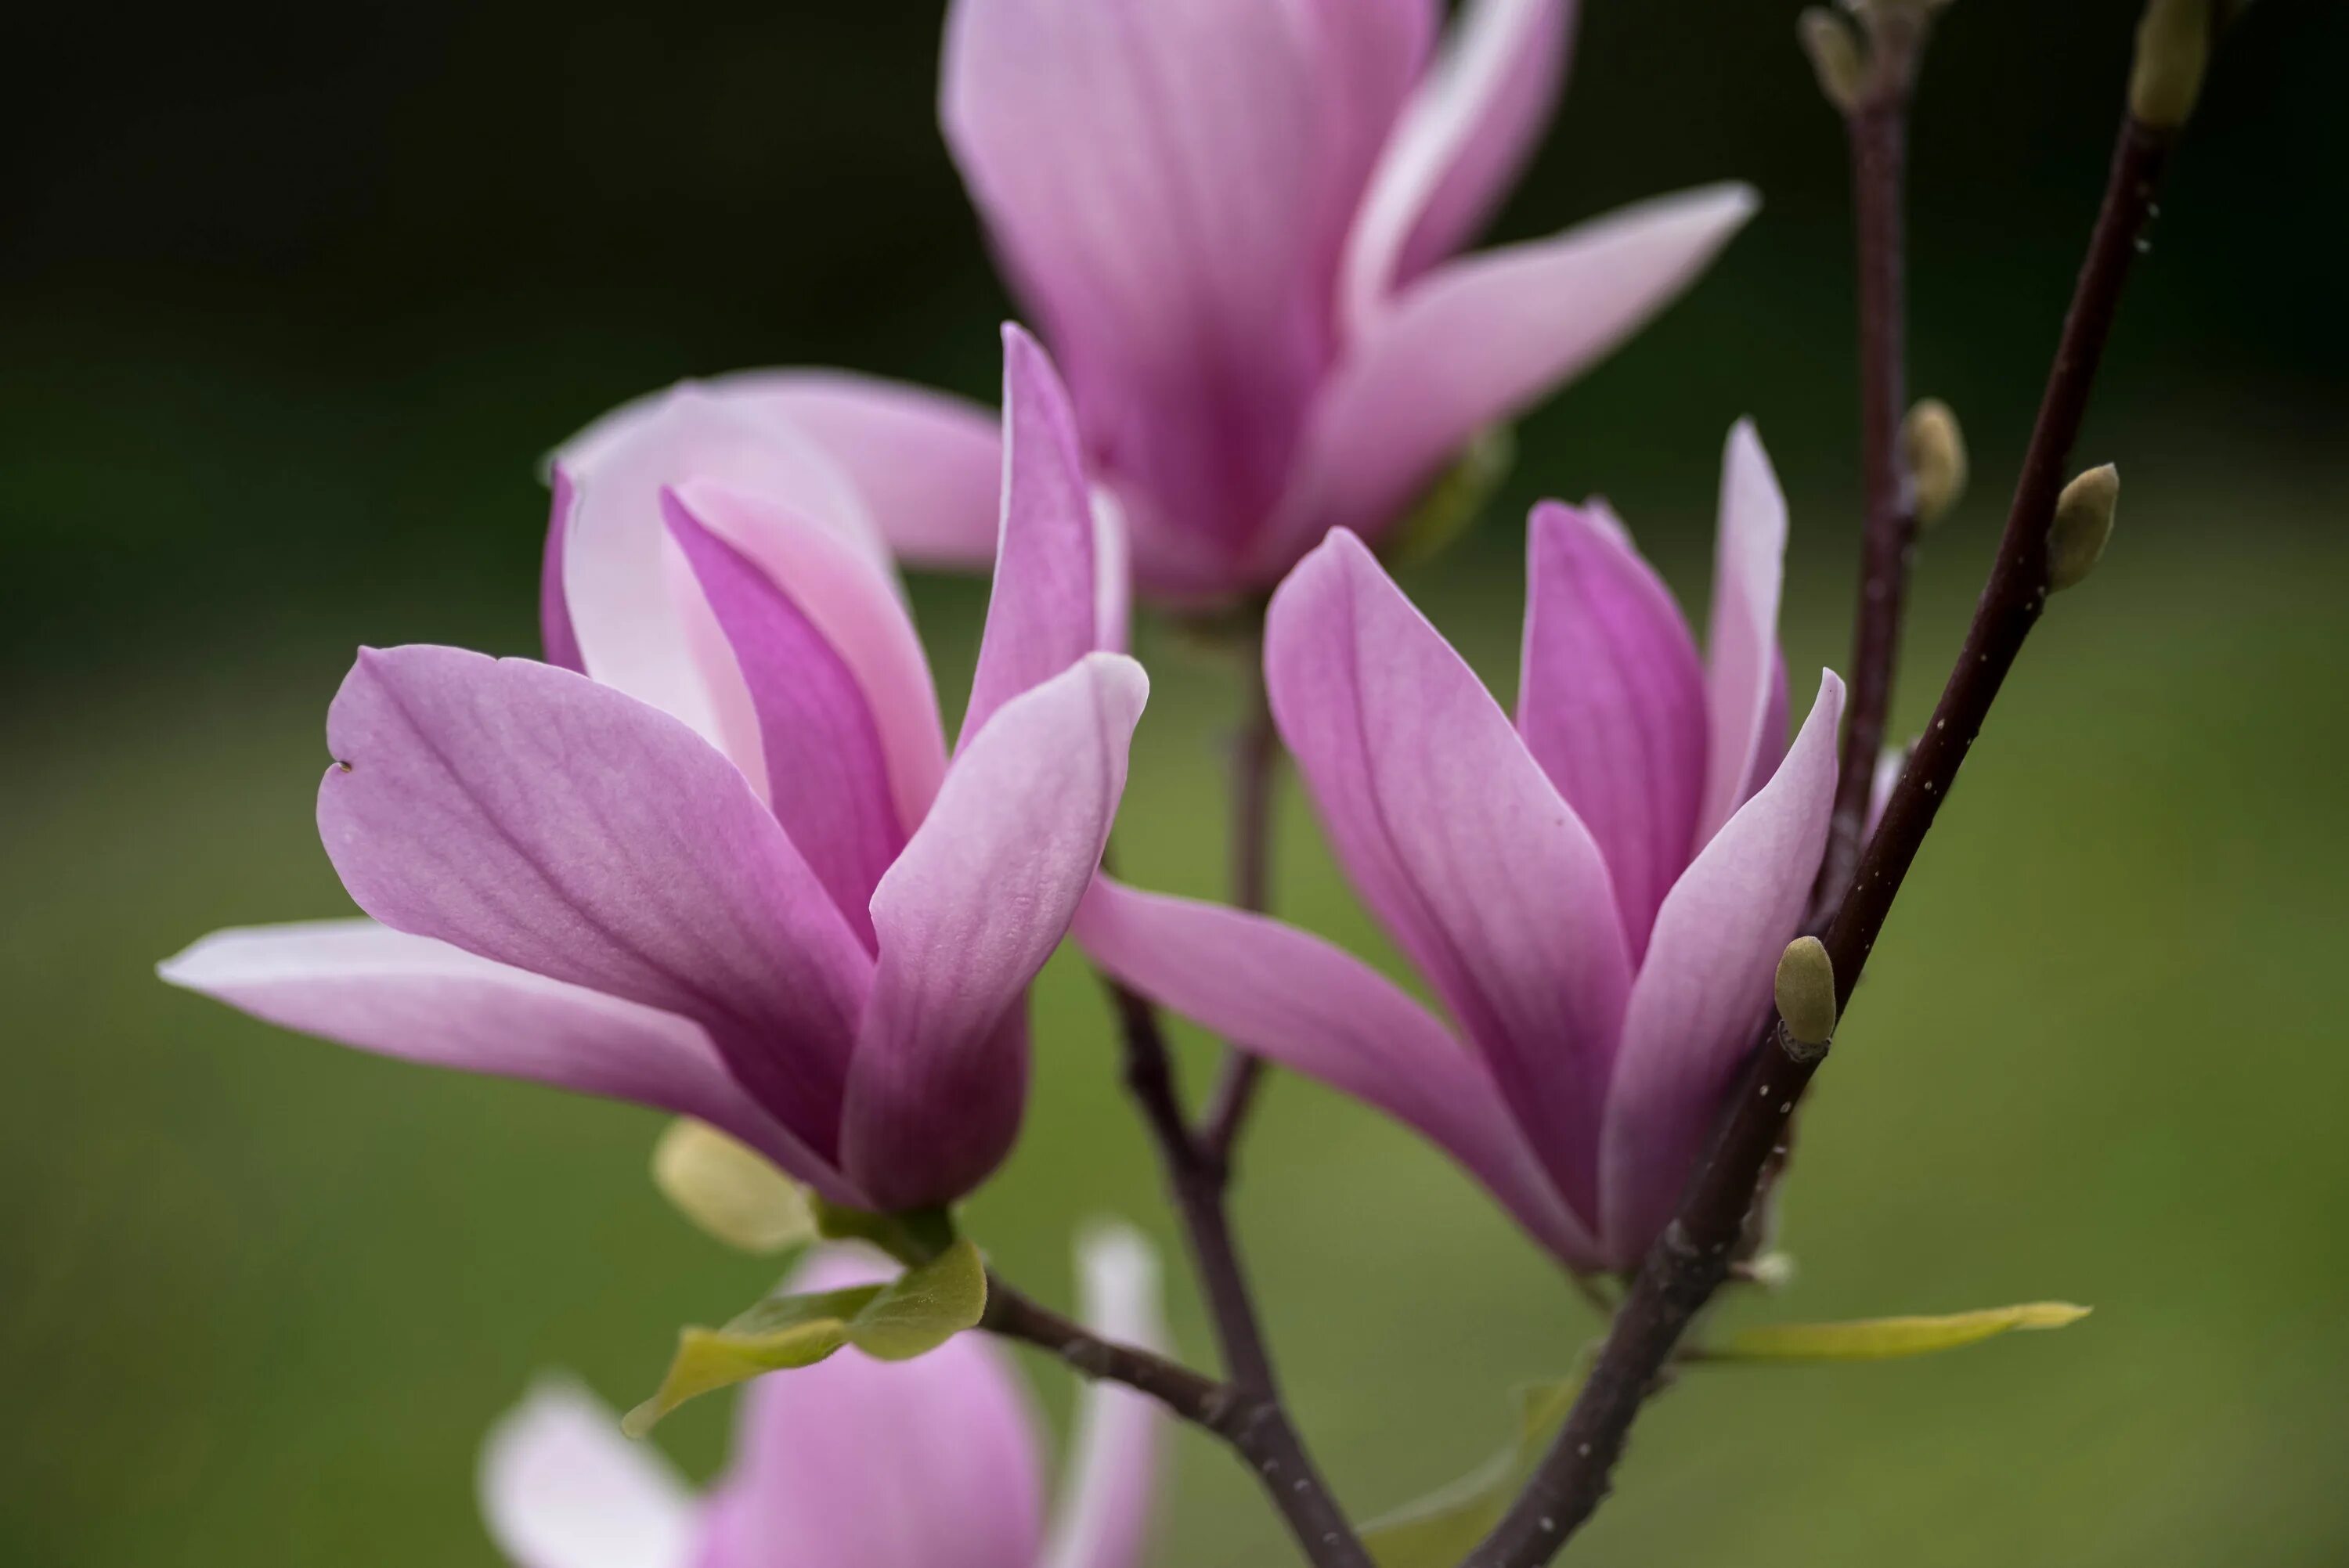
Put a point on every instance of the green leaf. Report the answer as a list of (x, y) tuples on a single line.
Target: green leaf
[(1457, 498), (1441, 1528), (917, 1312), (730, 1190), (1888, 1339)]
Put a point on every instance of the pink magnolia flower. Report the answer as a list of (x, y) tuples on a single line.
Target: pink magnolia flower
[(1598, 893), (1235, 221), (728, 869), (851, 1463)]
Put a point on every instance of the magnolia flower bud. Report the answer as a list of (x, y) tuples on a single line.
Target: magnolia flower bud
[(1935, 449), (2083, 521), (2173, 50), (1807, 991), (1835, 56)]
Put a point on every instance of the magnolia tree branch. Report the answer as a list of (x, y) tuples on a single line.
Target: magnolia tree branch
[(1877, 122), (1693, 1257), (1255, 761)]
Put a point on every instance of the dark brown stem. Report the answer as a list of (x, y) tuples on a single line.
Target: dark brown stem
[(1878, 125), (1260, 1429), (1690, 1259), (1255, 763)]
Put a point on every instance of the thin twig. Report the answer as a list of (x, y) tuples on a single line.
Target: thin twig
[(1689, 1260), (1256, 762)]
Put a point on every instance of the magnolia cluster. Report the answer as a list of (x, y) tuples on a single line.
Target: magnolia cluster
[(715, 852)]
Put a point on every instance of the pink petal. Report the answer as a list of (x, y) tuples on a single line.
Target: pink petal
[(1317, 1010), (1468, 129), (1705, 987), (1113, 575), (927, 464), (555, 635), (827, 780), (980, 898), (1040, 616), (1478, 341), (855, 1463), (1612, 702), (410, 998), (1742, 670), (856, 608), (1168, 187), (1102, 1518), (535, 818), (1450, 833), (561, 1488)]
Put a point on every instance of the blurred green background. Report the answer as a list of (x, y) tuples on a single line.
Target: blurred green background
[(290, 303)]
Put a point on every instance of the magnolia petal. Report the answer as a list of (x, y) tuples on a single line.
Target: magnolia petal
[(382, 991), (1040, 616), (1474, 342), (1741, 660), (561, 1488), (926, 464), (1294, 999), (980, 898), (1611, 703), (538, 818), (1469, 128), (827, 776), (554, 632), (1705, 987), (1453, 835), (1102, 1518)]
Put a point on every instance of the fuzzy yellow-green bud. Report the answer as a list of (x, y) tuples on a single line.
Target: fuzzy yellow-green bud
[(1807, 991), (2084, 521), (2173, 50), (1834, 50), (1935, 449)]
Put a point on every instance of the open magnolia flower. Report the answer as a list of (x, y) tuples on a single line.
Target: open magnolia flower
[(1599, 895), (1235, 221), (852, 1463), (728, 869)]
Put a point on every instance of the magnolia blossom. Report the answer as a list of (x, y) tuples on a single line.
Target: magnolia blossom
[(1236, 222), (1598, 893), (851, 1463), (721, 864)]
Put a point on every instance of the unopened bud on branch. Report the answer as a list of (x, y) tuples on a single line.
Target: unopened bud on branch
[(1834, 50), (1935, 449), (1807, 991), (2084, 521), (2173, 50)]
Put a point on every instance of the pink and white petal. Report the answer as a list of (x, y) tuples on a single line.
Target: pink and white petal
[(827, 778), (982, 895), (1113, 576), (366, 986), (858, 1463), (1743, 667), (538, 818), (1706, 989), (1103, 1517), (927, 465), (561, 1488), (1168, 187), (618, 561), (1468, 129), (1889, 764), (554, 632), (1479, 340), (1454, 836), (1041, 614), (861, 615), (1296, 1000), (1611, 703)]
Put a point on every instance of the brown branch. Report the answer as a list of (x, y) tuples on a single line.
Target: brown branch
[(1256, 762), (1877, 126), (1689, 1260)]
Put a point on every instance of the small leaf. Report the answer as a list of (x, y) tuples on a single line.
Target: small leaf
[(1888, 1339), (917, 1312), (730, 1190), (1457, 498), (1441, 1528)]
